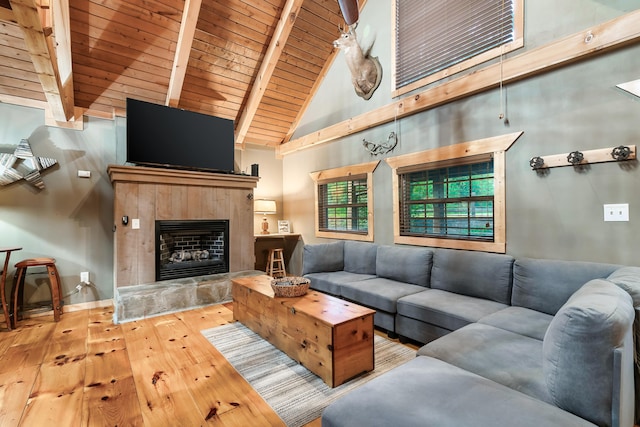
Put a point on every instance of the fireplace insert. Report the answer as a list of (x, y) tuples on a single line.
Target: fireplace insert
[(189, 248)]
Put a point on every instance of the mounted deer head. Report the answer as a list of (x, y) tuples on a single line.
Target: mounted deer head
[(366, 71)]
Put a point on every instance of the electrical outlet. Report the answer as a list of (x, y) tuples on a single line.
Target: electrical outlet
[(617, 212), (84, 277)]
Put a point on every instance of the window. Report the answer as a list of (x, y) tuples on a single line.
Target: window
[(452, 197), (344, 202), (448, 202), (342, 206), (437, 38)]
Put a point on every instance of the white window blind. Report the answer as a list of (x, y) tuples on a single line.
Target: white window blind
[(433, 35)]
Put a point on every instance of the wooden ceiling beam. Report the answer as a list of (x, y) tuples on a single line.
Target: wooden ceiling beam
[(50, 54), (183, 50), (590, 42), (271, 57)]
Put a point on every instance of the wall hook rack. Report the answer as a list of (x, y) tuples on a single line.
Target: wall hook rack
[(580, 158)]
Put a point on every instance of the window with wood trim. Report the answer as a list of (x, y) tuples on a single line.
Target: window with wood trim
[(452, 197), (437, 38), (449, 202), (342, 206), (344, 202)]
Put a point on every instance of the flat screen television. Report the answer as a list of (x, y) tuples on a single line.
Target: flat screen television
[(163, 136)]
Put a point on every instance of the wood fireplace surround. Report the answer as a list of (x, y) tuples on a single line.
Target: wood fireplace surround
[(150, 194)]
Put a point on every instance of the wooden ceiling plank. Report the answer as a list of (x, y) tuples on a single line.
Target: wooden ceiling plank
[(7, 15), (183, 50), (25, 102), (44, 58), (278, 41), (609, 35)]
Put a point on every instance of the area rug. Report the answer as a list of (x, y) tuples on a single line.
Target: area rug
[(295, 394)]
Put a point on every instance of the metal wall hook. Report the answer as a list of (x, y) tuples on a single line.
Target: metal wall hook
[(621, 152), (575, 157), (536, 162)]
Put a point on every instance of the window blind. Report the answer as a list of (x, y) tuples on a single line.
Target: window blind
[(433, 35)]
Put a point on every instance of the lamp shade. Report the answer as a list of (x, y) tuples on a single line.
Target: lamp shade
[(264, 207)]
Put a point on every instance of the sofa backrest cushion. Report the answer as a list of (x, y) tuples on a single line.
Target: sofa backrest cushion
[(578, 349), (360, 257), (628, 278), (404, 264), (323, 257), (545, 285), (475, 274)]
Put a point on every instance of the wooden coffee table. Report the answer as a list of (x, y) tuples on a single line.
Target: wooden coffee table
[(331, 337)]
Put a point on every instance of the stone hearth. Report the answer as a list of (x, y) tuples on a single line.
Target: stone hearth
[(169, 296)]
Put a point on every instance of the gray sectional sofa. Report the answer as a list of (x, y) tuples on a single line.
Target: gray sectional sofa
[(506, 341)]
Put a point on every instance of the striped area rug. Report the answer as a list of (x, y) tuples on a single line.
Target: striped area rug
[(296, 395)]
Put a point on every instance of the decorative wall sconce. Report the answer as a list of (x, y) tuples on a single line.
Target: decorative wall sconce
[(580, 158)]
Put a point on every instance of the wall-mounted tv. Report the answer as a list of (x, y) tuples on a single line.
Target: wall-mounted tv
[(158, 135)]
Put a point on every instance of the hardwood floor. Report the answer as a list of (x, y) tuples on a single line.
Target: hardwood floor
[(86, 371)]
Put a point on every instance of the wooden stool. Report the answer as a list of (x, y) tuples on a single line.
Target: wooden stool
[(275, 263), (3, 279), (54, 284)]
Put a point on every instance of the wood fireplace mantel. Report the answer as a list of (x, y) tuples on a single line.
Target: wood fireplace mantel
[(150, 194)]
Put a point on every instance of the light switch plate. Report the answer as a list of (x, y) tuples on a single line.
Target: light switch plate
[(617, 212), (135, 223)]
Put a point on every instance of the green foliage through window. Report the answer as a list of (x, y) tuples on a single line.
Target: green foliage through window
[(450, 202), (342, 206)]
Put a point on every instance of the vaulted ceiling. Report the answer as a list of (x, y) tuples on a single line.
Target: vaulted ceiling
[(257, 62)]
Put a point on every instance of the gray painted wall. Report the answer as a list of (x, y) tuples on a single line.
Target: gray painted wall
[(577, 107), (71, 219)]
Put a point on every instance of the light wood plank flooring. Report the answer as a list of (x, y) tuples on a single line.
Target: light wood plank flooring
[(86, 371)]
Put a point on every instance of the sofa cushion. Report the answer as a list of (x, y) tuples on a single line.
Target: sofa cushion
[(578, 349), (628, 278), (476, 274), (446, 309), (429, 392), (360, 257), (323, 257), (505, 357), (331, 282), (544, 284), (378, 293), (404, 264), (520, 320)]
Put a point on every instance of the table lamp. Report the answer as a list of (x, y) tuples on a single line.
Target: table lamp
[(264, 207)]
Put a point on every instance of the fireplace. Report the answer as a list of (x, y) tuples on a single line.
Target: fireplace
[(188, 248)]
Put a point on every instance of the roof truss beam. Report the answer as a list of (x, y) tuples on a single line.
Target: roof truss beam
[(183, 50), (47, 37), (271, 57)]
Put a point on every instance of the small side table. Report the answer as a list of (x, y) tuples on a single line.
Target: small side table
[(3, 280)]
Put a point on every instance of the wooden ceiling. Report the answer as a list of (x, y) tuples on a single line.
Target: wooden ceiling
[(257, 62)]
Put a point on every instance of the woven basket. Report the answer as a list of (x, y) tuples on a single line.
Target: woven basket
[(290, 286)]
